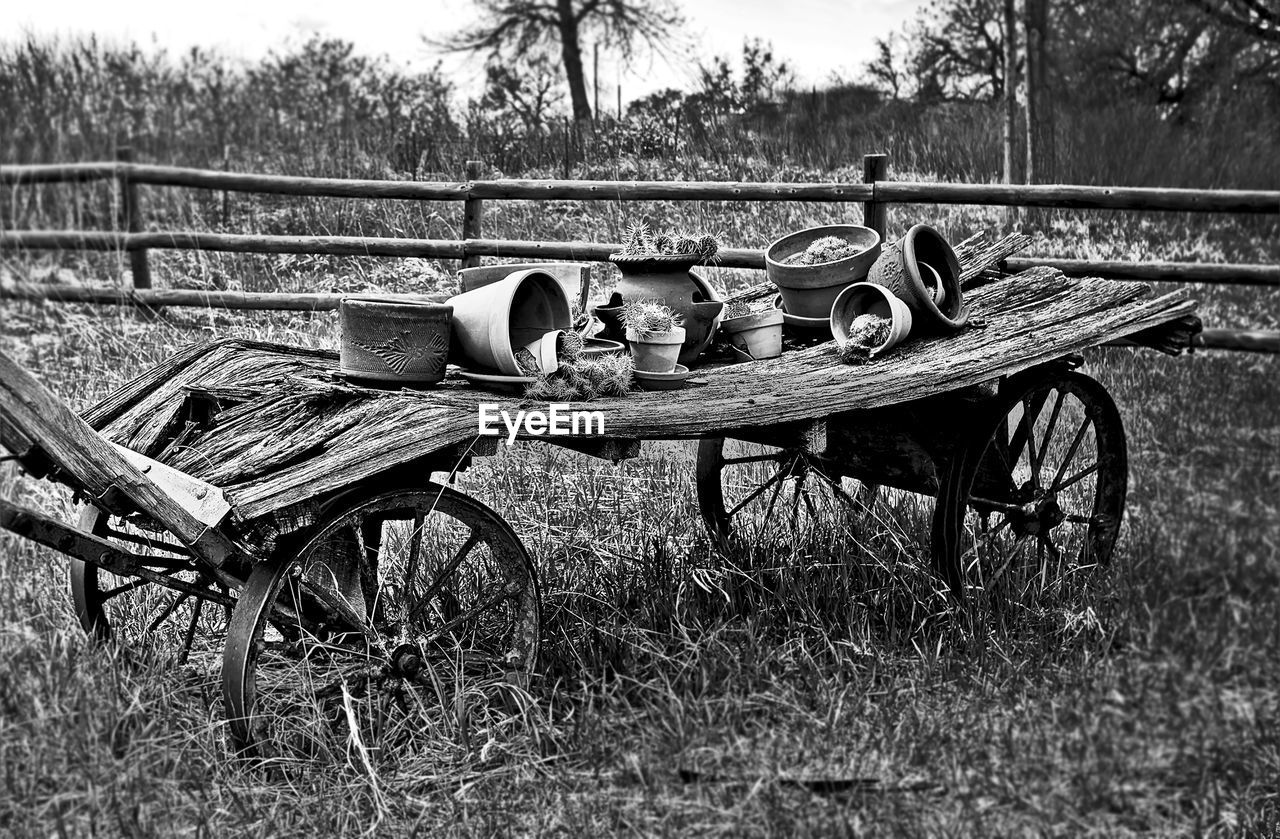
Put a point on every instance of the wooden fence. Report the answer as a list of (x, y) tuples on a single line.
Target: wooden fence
[(875, 193)]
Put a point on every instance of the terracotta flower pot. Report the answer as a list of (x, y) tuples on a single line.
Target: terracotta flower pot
[(656, 352), (759, 334), (574, 278), (670, 280), (809, 290), (491, 322), (393, 341), (922, 270), (870, 299)]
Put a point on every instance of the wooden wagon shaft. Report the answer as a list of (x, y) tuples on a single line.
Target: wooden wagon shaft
[(35, 418), (300, 432)]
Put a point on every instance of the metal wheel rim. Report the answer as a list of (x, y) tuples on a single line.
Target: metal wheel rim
[(257, 610)]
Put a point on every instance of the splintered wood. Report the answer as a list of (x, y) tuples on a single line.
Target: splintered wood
[(285, 428)]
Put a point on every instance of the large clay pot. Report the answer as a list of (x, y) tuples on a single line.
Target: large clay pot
[(668, 279), (870, 299), (386, 340), (574, 278), (922, 270), (491, 322), (809, 290)]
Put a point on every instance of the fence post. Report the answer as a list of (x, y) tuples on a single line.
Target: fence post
[(472, 215), (875, 214), (130, 219)]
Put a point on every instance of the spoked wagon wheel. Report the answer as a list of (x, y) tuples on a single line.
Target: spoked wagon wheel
[(392, 605), (1034, 501), (753, 494), (109, 605)]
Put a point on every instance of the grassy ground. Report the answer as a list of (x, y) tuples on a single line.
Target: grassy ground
[(836, 694)]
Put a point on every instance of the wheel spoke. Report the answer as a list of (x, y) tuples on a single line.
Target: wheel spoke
[(189, 638), (168, 610), (450, 568), (1071, 452), (1045, 439), (755, 458), (1022, 434), (132, 585), (1074, 479), (504, 593), (755, 493)]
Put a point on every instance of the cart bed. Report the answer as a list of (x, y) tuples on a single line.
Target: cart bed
[(289, 429)]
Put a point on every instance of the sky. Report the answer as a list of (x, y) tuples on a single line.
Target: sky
[(817, 37)]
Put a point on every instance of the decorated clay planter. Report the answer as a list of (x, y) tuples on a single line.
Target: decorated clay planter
[(759, 334), (809, 290), (922, 270), (656, 352), (669, 279), (574, 278), (491, 322), (870, 299), (387, 340)]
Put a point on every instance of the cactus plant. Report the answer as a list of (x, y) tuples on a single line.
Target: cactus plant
[(649, 318), (826, 249), (640, 241), (583, 379), (866, 332)]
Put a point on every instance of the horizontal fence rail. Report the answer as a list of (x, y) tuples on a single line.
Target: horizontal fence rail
[(888, 192), (875, 194), (107, 240)]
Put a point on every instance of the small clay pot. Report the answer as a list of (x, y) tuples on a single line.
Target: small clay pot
[(393, 341), (809, 290), (759, 334), (922, 270), (870, 299), (655, 352), (610, 314)]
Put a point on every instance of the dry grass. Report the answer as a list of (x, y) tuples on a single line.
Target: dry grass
[(821, 687)]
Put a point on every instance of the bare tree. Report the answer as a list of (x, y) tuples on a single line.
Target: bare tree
[(520, 26), (1259, 18)]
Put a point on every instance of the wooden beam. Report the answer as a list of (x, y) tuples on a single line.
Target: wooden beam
[(92, 465), (1248, 340)]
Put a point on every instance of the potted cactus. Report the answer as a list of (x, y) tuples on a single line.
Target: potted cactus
[(757, 334), (659, 267), (655, 335)]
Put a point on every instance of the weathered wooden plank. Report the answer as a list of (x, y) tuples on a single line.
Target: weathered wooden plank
[(91, 464)]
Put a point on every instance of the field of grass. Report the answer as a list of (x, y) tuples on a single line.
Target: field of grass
[(831, 691), (826, 687)]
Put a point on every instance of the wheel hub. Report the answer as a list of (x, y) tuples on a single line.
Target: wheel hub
[(406, 660), (1037, 517)]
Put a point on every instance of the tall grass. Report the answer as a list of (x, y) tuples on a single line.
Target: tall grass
[(823, 687)]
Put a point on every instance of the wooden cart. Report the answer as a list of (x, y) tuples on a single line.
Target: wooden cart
[(250, 476)]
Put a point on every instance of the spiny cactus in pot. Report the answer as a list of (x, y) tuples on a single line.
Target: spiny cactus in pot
[(655, 335)]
